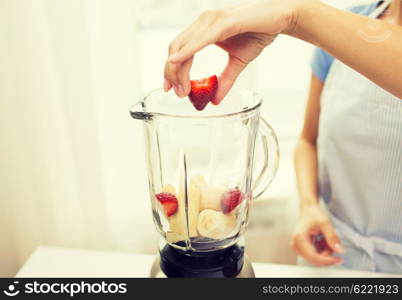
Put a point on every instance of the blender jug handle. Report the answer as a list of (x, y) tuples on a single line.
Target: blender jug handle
[(269, 142)]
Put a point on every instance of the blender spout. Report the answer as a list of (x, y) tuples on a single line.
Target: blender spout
[(138, 111)]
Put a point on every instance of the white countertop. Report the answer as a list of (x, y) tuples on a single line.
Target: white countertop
[(62, 262)]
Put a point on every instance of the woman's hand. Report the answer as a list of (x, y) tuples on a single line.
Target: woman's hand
[(313, 221), (243, 31)]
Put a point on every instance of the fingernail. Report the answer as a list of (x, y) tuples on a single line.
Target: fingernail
[(338, 248), (181, 91), (166, 85), (178, 90), (215, 102)]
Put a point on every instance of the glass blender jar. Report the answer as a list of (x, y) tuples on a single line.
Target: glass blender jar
[(202, 179)]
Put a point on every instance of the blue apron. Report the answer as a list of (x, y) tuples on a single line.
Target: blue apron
[(360, 167)]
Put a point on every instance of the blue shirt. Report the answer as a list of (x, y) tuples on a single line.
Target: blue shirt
[(322, 61)]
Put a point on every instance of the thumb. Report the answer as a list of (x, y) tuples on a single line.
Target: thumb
[(331, 237), (228, 77)]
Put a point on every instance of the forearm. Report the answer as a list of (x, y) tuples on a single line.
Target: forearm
[(305, 159), (347, 37)]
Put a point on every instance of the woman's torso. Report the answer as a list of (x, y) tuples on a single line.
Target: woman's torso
[(360, 163)]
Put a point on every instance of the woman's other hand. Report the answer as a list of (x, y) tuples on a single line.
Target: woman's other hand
[(314, 222)]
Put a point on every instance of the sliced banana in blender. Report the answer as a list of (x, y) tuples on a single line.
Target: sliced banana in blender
[(211, 198), (214, 224), (168, 188), (198, 181), (174, 237), (194, 199), (178, 222), (176, 231)]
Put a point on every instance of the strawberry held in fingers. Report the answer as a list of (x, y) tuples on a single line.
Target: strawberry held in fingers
[(169, 203), (320, 243), (203, 91)]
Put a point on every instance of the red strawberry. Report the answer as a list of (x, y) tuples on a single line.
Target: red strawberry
[(170, 208), (320, 243), (203, 91), (169, 203), (230, 200)]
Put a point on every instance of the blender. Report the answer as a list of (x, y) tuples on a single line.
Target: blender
[(203, 177)]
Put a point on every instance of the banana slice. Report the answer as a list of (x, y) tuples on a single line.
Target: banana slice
[(169, 189), (177, 230), (178, 222), (194, 201), (174, 237), (214, 224), (211, 198), (198, 181)]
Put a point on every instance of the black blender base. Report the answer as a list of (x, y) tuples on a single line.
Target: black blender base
[(226, 263)]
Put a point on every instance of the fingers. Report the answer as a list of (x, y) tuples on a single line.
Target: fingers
[(178, 74), (228, 77), (206, 30), (304, 247), (188, 50), (171, 74), (331, 237), (183, 75), (326, 252), (166, 85), (178, 77)]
